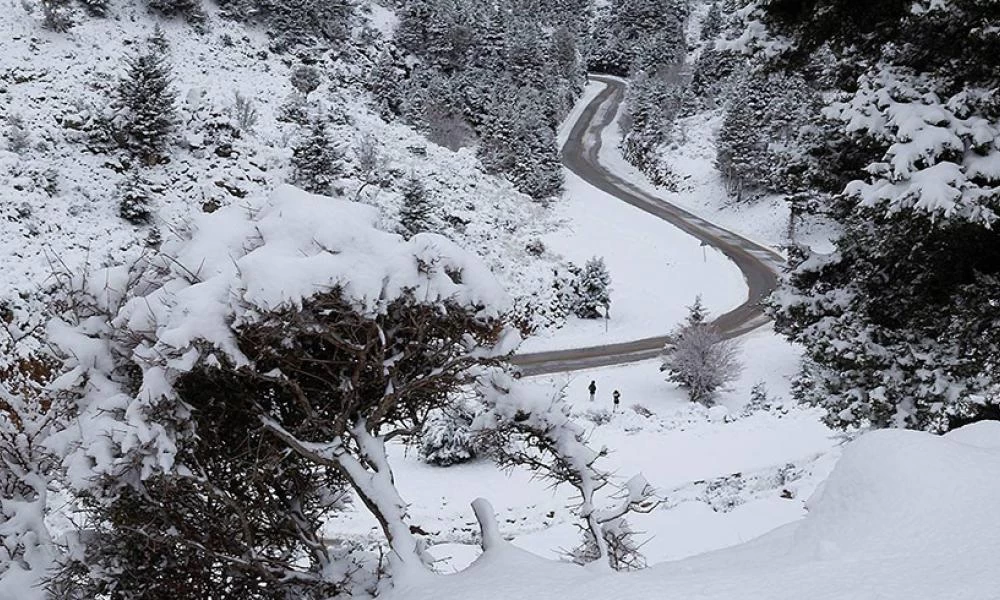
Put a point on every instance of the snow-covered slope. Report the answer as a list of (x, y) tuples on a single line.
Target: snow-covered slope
[(58, 200), (904, 515)]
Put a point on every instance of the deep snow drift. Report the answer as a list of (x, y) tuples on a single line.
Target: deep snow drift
[(904, 515)]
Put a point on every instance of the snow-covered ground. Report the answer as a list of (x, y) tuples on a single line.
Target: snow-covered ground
[(656, 269), (58, 198), (726, 476), (903, 516)]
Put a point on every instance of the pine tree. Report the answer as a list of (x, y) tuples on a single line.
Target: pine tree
[(593, 290), (136, 194), (316, 162), (385, 83), (697, 314), (416, 215), (97, 8), (189, 9), (58, 15), (711, 26), (520, 142), (446, 437), (899, 322), (144, 103), (305, 79)]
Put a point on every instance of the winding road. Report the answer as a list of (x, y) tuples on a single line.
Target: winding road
[(760, 265)]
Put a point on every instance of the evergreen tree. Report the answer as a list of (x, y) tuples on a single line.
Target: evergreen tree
[(697, 313), (97, 8), (315, 159), (58, 15), (301, 22), (636, 35), (652, 104), (711, 26), (446, 437), (144, 103), (770, 139), (305, 79), (136, 194), (417, 213), (385, 83), (899, 322), (593, 290), (519, 142), (189, 9)]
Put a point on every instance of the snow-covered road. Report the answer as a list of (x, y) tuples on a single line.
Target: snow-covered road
[(758, 264)]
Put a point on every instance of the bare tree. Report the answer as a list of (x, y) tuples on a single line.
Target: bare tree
[(543, 437), (699, 359)]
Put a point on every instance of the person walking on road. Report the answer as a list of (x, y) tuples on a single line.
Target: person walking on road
[(617, 398), (592, 388)]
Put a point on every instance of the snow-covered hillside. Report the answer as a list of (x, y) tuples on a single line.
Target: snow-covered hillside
[(59, 202)]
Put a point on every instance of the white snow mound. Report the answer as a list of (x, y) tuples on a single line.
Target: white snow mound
[(904, 515)]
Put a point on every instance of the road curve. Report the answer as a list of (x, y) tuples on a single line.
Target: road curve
[(759, 265)]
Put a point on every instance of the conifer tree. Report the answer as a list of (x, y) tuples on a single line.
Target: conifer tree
[(593, 290), (144, 103), (135, 198), (58, 15), (315, 159), (189, 9), (520, 142), (97, 8), (416, 215)]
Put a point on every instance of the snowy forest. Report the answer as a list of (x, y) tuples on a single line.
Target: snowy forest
[(483, 299)]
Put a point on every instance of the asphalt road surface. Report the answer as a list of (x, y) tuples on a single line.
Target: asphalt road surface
[(759, 265)]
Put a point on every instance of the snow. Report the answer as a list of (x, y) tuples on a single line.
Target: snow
[(689, 458), (903, 515), (58, 82)]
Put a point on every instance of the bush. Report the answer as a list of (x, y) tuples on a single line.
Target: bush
[(598, 416), (446, 439)]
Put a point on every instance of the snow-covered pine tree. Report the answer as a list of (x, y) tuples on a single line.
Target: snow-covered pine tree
[(316, 161), (144, 113), (698, 358), (97, 8), (189, 9), (520, 142), (135, 198), (897, 322), (697, 313), (593, 290), (635, 35), (416, 215), (652, 104), (712, 24), (385, 83), (306, 79), (302, 22), (57, 15), (17, 134), (446, 437)]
